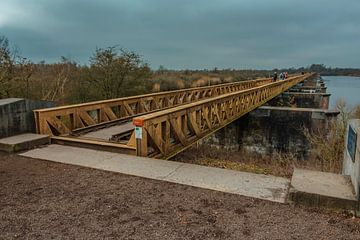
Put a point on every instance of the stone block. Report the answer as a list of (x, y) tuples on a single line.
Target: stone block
[(23, 142), (322, 189)]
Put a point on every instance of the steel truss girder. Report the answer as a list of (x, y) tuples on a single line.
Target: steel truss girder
[(166, 133)]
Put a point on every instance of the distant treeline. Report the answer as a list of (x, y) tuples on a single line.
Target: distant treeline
[(111, 73), (329, 71)]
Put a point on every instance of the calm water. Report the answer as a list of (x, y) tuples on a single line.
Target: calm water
[(346, 88)]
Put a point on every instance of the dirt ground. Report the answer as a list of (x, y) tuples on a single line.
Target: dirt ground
[(44, 200)]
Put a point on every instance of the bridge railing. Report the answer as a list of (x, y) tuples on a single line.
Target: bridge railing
[(67, 119), (165, 133)]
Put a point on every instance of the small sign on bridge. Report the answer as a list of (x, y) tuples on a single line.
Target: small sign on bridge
[(351, 144), (138, 132)]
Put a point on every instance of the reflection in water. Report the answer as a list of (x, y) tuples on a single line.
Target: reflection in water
[(341, 87)]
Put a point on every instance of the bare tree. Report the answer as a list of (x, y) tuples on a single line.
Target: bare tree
[(6, 67), (118, 73), (60, 74)]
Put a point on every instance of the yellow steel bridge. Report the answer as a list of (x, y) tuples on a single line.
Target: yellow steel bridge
[(160, 124)]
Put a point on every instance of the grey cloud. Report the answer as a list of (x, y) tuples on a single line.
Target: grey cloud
[(193, 34)]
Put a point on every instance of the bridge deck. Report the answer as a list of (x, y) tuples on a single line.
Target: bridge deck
[(169, 121), (107, 134)]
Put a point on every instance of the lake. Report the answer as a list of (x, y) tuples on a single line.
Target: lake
[(342, 87)]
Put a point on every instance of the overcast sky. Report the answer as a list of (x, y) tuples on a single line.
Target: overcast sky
[(192, 34)]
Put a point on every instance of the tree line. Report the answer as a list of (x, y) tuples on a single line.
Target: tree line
[(112, 72), (329, 71)]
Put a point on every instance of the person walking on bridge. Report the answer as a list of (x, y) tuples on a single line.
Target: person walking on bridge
[(275, 77), (281, 76)]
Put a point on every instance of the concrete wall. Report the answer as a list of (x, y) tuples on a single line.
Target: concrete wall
[(267, 130), (351, 164), (16, 115), (227, 138), (301, 100)]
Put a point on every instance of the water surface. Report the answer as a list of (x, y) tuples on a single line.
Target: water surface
[(342, 87)]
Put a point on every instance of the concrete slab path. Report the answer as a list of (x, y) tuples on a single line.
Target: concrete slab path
[(247, 184)]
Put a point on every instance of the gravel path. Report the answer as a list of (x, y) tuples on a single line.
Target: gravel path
[(44, 200)]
